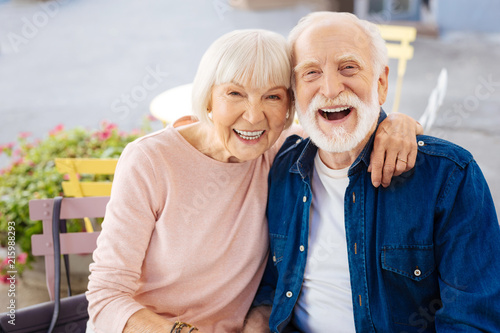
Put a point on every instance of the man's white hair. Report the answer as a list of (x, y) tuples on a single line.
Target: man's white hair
[(254, 56), (377, 43)]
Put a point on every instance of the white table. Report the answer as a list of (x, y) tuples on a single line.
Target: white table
[(172, 104)]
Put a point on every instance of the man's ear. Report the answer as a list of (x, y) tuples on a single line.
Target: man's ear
[(383, 85)]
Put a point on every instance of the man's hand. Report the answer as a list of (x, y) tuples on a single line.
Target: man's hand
[(257, 320), (394, 148)]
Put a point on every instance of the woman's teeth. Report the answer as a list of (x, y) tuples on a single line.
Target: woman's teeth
[(249, 135)]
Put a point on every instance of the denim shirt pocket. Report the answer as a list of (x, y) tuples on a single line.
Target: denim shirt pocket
[(410, 285), (412, 261), (278, 243)]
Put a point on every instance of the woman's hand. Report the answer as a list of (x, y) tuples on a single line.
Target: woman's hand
[(394, 148), (146, 321)]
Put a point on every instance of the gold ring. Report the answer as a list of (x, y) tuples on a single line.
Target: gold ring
[(402, 160)]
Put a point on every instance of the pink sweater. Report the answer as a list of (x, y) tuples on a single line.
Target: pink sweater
[(184, 236)]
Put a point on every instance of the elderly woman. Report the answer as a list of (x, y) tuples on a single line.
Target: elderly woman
[(185, 235)]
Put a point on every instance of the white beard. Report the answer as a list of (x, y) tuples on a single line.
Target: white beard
[(339, 140)]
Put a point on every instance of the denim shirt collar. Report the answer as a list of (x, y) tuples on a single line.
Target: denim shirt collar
[(305, 161)]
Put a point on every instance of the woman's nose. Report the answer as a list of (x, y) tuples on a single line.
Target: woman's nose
[(254, 113)]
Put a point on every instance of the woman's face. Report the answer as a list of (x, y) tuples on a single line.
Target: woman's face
[(248, 120)]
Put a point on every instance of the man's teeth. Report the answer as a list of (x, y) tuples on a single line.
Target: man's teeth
[(335, 113), (249, 135), (336, 109)]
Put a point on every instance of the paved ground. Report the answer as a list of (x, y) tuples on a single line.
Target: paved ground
[(75, 62)]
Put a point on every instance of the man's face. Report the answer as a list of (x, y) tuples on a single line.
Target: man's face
[(338, 93)]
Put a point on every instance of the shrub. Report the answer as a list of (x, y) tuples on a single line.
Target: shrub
[(31, 174)]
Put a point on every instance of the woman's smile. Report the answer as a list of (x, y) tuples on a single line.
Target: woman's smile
[(249, 136)]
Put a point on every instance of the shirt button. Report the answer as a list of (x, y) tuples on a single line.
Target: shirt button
[(304, 198), (289, 294), (298, 141), (274, 258), (421, 143), (417, 272), (301, 248)]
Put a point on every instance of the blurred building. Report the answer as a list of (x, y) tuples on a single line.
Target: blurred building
[(433, 16)]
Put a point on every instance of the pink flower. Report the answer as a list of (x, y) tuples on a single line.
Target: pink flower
[(67, 177), (104, 135), (24, 135), (22, 258), (7, 148), (56, 130), (3, 279), (150, 117), (110, 127)]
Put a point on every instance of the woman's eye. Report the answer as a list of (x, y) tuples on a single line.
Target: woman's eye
[(234, 93), (275, 97)]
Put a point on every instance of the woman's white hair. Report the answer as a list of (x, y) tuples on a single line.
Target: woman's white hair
[(377, 47), (256, 57)]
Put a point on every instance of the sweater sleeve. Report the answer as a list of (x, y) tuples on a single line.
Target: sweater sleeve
[(121, 247)]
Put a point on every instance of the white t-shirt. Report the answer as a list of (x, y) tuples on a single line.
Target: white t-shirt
[(325, 300)]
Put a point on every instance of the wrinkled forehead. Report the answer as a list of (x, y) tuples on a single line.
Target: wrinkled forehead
[(328, 38)]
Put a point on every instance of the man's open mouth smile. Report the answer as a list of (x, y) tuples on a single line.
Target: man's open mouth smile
[(335, 113)]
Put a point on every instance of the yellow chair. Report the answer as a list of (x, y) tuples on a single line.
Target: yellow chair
[(398, 39), (74, 167)]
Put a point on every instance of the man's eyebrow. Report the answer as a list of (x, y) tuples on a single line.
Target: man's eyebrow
[(351, 57), (304, 64)]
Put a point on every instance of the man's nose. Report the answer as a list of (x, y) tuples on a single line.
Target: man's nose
[(332, 85), (254, 113)]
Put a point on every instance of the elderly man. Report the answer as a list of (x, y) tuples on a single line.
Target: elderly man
[(419, 256)]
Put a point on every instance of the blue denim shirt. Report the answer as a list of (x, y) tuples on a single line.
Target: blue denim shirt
[(424, 253)]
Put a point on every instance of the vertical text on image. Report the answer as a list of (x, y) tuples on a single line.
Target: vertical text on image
[(11, 272)]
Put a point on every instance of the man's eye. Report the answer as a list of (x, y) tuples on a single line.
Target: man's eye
[(311, 75), (349, 70)]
